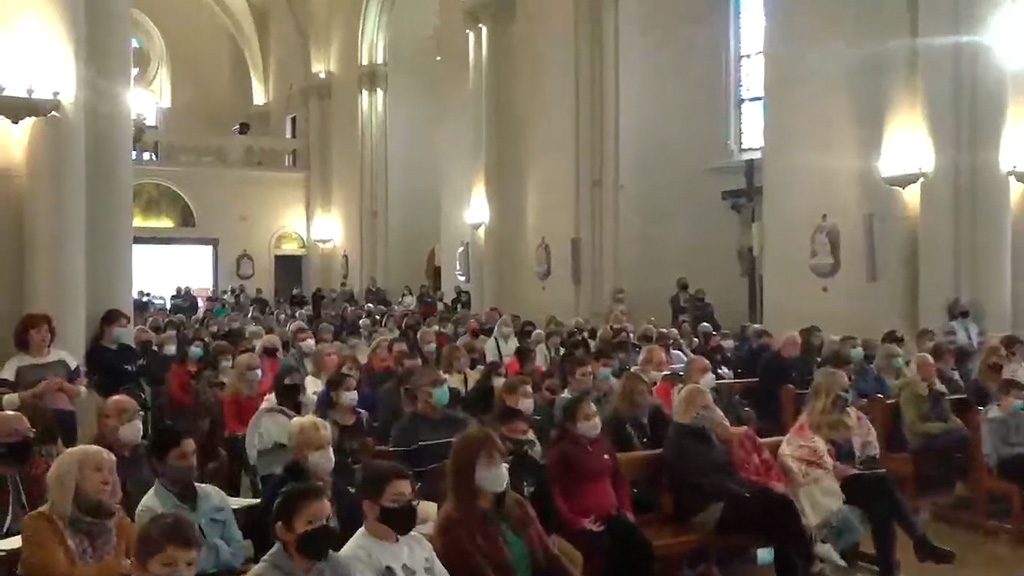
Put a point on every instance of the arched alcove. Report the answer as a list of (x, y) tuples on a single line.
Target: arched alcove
[(151, 69), (288, 242), (158, 205)]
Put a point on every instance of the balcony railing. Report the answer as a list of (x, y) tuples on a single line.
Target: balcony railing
[(163, 149)]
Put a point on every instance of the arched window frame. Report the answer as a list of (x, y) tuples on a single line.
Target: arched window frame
[(748, 24)]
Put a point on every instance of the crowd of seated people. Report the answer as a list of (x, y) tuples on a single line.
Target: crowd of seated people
[(357, 427)]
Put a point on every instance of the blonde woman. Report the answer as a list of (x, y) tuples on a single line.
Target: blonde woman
[(831, 424), (502, 345), (325, 363), (81, 530), (242, 399), (982, 389)]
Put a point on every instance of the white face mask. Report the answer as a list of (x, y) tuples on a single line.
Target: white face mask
[(307, 347), (347, 397), (498, 381), (492, 478), (708, 380), (504, 332), (590, 428), (226, 365), (171, 350), (430, 348), (526, 406), (130, 433), (322, 461)]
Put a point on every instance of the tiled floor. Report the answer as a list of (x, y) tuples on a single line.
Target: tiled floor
[(978, 555)]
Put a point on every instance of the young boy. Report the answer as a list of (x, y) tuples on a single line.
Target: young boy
[(168, 544)]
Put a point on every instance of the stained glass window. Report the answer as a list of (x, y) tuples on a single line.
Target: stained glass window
[(750, 25)]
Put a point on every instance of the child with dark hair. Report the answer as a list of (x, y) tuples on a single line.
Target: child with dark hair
[(304, 535), (168, 544)]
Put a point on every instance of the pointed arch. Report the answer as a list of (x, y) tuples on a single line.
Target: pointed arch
[(373, 33)]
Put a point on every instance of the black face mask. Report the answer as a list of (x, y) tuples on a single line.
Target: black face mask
[(964, 314), (288, 396), (270, 352), (399, 519), (16, 454), (316, 544)]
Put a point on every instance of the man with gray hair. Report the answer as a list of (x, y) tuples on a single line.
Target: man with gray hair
[(928, 420)]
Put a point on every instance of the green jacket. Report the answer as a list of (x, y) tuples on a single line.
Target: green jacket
[(924, 412)]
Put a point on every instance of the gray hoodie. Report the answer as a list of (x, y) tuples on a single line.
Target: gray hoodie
[(277, 562)]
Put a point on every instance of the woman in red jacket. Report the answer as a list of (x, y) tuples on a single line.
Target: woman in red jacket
[(592, 498), (183, 391), (485, 528)]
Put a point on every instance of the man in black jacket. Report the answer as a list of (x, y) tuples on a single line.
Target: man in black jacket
[(706, 489), (777, 369)]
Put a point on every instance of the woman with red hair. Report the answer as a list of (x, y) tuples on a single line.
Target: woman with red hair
[(485, 528), (40, 373)]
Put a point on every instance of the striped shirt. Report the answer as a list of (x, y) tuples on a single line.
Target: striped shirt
[(24, 372)]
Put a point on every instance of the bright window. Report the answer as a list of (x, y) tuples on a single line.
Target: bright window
[(750, 25)]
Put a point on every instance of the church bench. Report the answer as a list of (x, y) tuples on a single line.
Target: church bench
[(673, 540)]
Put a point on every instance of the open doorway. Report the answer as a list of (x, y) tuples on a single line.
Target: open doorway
[(159, 265), (287, 274)]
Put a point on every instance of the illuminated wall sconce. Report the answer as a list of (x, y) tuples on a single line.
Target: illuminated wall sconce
[(479, 213), (18, 108), (1017, 174), (903, 181), (324, 232)]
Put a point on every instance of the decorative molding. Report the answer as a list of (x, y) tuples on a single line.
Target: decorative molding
[(318, 86), (18, 108), (373, 76), (484, 11)]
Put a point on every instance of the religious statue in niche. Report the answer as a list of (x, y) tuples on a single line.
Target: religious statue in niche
[(344, 266), (245, 266), (462, 262), (542, 260), (825, 258)]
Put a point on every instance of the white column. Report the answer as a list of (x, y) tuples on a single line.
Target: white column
[(318, 195), (54, 227), (103, 87)]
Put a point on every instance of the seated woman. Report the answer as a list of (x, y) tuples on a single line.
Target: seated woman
[(485, 528), (880, 379), (454, 365), (81, 531), (636, 421), (266, 438), (709, 493), (168, 544), (592, 497), (301, 522), (830, 424), (479, 400), (982, 388), (423, 437), (1002, 432), (22, 470)]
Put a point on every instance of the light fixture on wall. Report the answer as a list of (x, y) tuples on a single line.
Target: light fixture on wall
[(18, 108), (479, 213), (324, 231)]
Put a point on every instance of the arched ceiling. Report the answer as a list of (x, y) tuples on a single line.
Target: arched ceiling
[(239, 19)]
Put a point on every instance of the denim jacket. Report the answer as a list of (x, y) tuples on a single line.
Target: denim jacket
[(224, 547)]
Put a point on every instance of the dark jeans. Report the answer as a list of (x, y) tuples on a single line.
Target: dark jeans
[(67, 427), (621, 548), (875, 494), (767, 515), (238, 463)]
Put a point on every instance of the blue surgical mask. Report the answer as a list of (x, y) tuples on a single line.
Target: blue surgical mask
[(898, 363), (195, 353), (441, 395), (604, 374), (857, 354), (1018, 405), (844, 399)]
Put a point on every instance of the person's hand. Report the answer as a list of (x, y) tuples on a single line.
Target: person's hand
[(842, 470), (778, 487), (631, 517), (45, 387), (592, 525)]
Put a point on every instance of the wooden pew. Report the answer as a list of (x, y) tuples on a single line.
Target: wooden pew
[(673, 540), (792, 402)]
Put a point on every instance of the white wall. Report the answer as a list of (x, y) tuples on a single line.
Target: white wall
[(242, 209), (675, 125), (414, 201), (831, 71), (210, 82)]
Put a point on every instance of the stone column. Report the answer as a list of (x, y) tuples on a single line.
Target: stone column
[(373, 81), (318, 201), (103, 88)]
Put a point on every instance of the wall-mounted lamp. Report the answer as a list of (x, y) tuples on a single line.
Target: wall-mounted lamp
[(324, 232), (18, 108), (479, 213), (321, 74), (1017, 174), (903, 181)]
